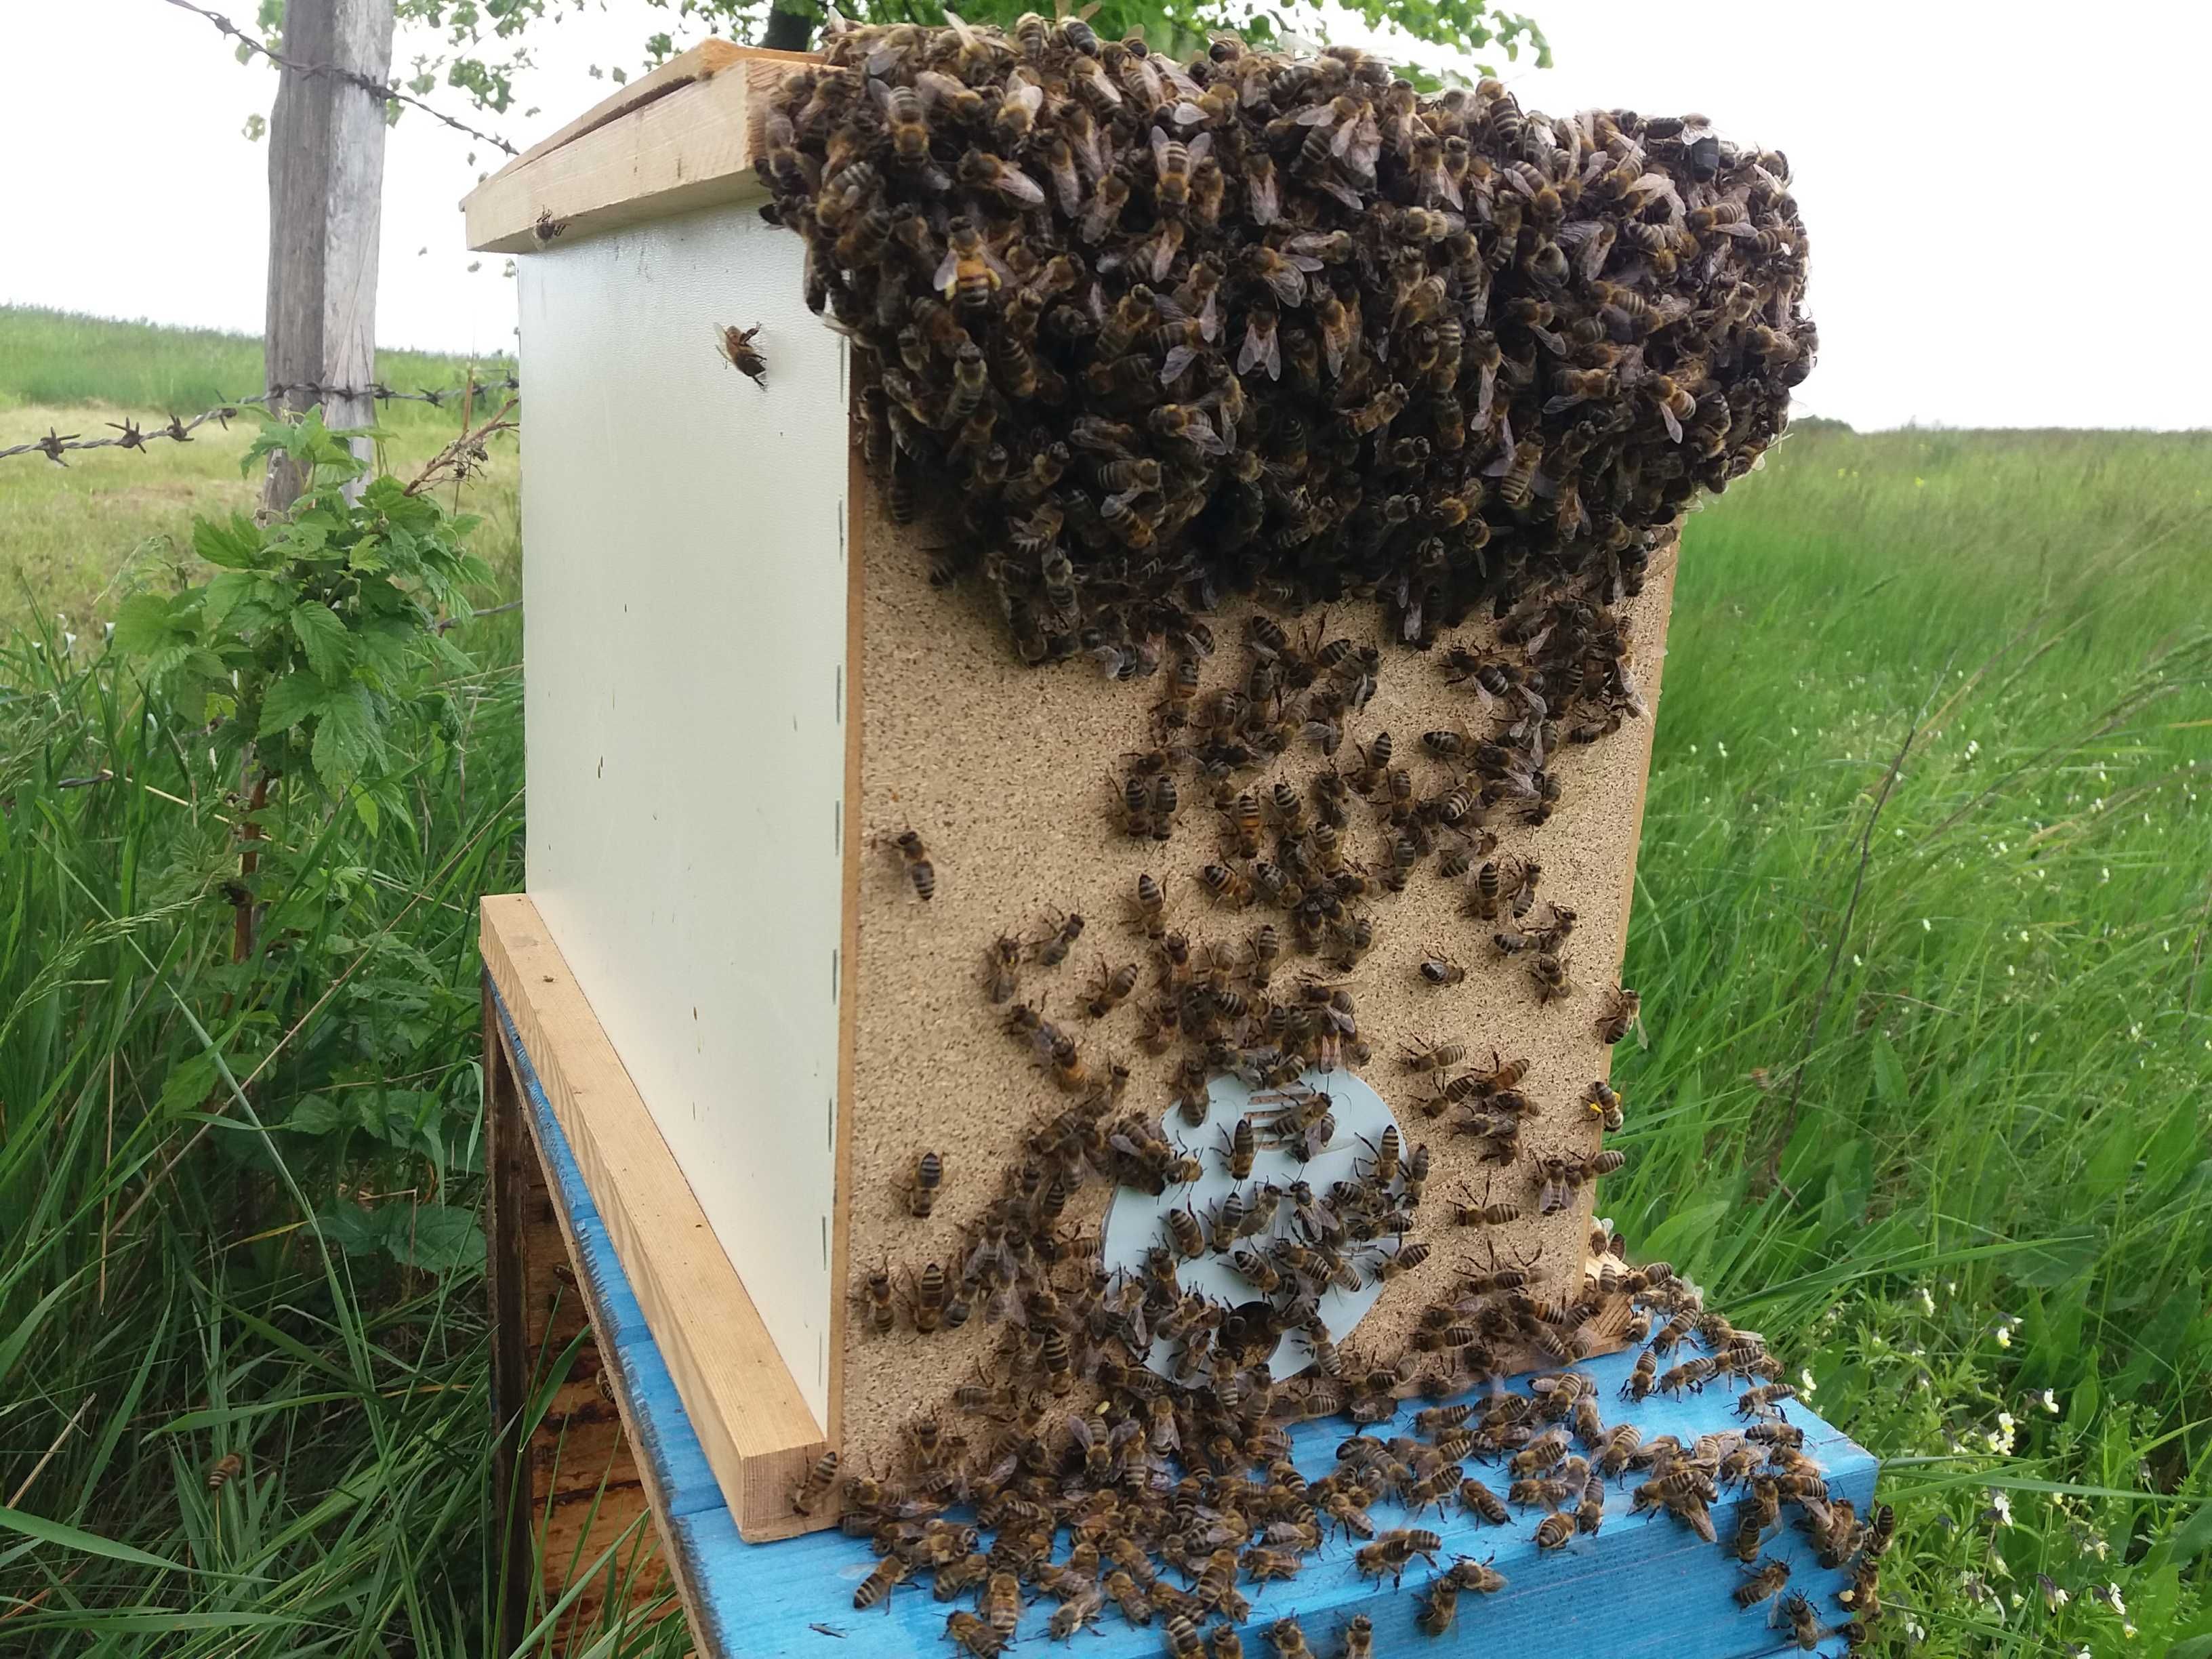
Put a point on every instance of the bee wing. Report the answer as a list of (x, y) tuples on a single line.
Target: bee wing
[(934, 86), (1200, 148), (948, 274), (1186, 114), (1265, 200), (878, 90), (1178, 359), (1314, 114), (1025, 94), (1259, 349)]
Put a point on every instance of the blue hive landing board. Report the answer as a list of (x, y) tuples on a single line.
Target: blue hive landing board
[(1643, 1587)]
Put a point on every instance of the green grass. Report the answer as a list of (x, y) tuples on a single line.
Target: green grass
[(76, 536), (1933, 1120)]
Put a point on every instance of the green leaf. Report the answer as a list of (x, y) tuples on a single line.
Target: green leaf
[(1681, 1234), (86, 1543), (440, 1239), (2186, 1542), (188, 1084), (1889, 1086), (345, 735), (2194, 1646), (234, 546), (316, 1114), (290, 701), (143, 624), (353, 1230), (323, 637)]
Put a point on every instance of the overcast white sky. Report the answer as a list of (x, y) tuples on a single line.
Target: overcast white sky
[(2003, 197)]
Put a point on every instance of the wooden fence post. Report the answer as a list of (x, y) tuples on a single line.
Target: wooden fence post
[(326, 188)]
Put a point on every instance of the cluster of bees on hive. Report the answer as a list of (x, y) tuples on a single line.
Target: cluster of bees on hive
[(1068, 1428), (1147, 333), (1142, 337)]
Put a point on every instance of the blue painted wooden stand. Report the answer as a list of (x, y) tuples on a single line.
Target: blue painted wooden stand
[(1644, 1586)]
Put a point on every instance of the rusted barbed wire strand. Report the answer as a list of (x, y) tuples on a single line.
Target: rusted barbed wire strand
[(56, 443), (369, 84)]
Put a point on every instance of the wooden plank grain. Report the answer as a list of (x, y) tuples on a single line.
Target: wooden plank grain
[(757, 1433), (691, 147)]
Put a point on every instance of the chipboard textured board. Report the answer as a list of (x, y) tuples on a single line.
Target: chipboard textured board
[(1005, 771), (685, 587), (1643, 1588)]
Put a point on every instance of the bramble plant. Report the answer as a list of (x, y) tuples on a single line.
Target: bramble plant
[(293, 651)]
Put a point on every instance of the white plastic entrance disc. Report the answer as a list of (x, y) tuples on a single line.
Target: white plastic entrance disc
[(1137, 1220)]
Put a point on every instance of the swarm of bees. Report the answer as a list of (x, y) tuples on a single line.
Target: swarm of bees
[(1156, 1483), (1147, 335), (1153, 333)]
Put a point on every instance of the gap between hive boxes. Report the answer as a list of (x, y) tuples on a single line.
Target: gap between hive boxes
[(758, 1435)]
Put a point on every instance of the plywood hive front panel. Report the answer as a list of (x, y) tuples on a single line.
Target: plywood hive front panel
[(685, 624), (1005, 772)]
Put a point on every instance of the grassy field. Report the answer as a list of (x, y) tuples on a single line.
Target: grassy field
[(77, 375), (1921, 932)]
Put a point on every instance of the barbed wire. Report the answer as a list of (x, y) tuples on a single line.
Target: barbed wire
[(131, 435), (369, 84)]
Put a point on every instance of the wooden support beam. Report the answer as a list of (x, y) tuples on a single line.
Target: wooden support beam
[(757, 1434), (325, 195), (685, 137)]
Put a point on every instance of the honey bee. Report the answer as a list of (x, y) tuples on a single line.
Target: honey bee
[(1437, 969), (876, 1297), (1051, 950), (876, 1588), (1554, 1531), (1805, 1627), (1184, 1639), (1111, 989), (923, 1178), (224, 1470), (1604, 1104), (1620, 1012), (1288, 1638), (1227, 886), (919, 869), (967, 1632), (1548, 977), (815, 1483), (1000, 962), (969, 275), (1642, 1380), (548, 227), (1767, 1582), (737, 349)]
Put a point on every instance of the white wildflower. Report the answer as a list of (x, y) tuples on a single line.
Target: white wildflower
[(2049, 1401), (1927, 1302), (1973, 748), (2104, 872), (2112, 1595), (1857, 961), (2001, 1507), (1926, 926), (1805, 1383)]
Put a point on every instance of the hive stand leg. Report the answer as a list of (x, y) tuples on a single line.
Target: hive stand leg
[(514, 1182), (567, 1469)]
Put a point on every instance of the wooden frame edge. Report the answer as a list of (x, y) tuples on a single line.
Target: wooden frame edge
[(753, 1424), (652, 151)]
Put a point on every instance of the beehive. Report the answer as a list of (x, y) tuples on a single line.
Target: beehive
[(744, 687)]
